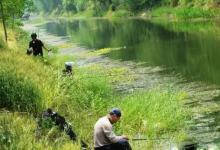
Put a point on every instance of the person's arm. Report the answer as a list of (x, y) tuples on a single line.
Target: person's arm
[(111, 135), (42, 44), (30, 44), (46, 48)]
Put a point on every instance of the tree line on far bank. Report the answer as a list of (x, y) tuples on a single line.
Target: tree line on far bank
[(12, 9), (99, 6)]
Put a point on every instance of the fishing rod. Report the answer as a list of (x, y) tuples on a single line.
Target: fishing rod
[(192, 145), (149, 139)]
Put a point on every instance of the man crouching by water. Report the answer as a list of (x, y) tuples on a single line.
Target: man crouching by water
[(105, 138)]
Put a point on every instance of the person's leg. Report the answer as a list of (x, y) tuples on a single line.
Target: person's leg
[(122, 145), (35, 53), (41, 53), (106, 147), (128, 146)]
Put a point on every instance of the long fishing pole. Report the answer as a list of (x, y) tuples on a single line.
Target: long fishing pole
[(149, 139)]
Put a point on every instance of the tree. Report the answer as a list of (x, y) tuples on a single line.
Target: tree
[(69, 5), (3, 21), (11, 9)]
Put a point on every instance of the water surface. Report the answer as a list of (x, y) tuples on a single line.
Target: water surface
[(190, 48)]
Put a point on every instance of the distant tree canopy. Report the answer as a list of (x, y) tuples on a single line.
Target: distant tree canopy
[(16, 8), (104, 5), (101, 5), (12, 9)]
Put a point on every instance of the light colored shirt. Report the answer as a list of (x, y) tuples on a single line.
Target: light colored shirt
[(103, 133)]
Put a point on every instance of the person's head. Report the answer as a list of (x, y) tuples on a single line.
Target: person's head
[(49, 110), (115, 115), (68, 66), (34, 36)]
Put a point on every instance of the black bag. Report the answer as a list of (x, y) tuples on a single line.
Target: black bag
[(29, 51)]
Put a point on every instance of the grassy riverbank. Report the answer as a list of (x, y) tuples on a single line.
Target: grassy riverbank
[(30, 85), (171, 9)]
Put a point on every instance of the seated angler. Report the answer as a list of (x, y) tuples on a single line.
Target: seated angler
[(105, 138)]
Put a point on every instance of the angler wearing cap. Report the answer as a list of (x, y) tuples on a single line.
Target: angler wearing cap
[(105, 138), (35, 46), (68, 68)]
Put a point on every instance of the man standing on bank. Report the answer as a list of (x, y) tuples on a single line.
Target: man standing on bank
[(105, 138), (36, 45)]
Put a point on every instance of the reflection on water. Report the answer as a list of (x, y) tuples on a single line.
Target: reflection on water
[(195, 54)]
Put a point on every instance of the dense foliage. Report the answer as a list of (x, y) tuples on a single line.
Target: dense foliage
[(17, 92), (15, 9), (100, 6), (11, 10)]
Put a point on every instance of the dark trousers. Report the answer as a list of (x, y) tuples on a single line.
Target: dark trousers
[(38, 53), (121, 145)]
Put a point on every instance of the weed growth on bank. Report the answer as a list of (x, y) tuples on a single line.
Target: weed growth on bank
[(31, 84)]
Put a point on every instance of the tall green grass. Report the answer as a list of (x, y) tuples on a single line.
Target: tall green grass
[(162, 11), (18, 92), (183, 12), (2, 44), (17, 132), (189, 13), (154, 113), (31, 85), (26, 83)]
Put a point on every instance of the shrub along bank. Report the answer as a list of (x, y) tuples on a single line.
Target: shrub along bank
[(31, 85), (185, 9)]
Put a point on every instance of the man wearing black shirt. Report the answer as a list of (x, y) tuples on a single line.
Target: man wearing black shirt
[(36, 45)]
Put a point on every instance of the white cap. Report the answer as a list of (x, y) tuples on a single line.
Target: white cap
[(69, 63)]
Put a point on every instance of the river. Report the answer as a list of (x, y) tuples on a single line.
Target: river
[(184, 53)]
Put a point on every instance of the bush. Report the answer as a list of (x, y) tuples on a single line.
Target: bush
[(88, 92), (25, 82), (189, 13), (17, 133), (2, 44), (17, 92), (122, 13)]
